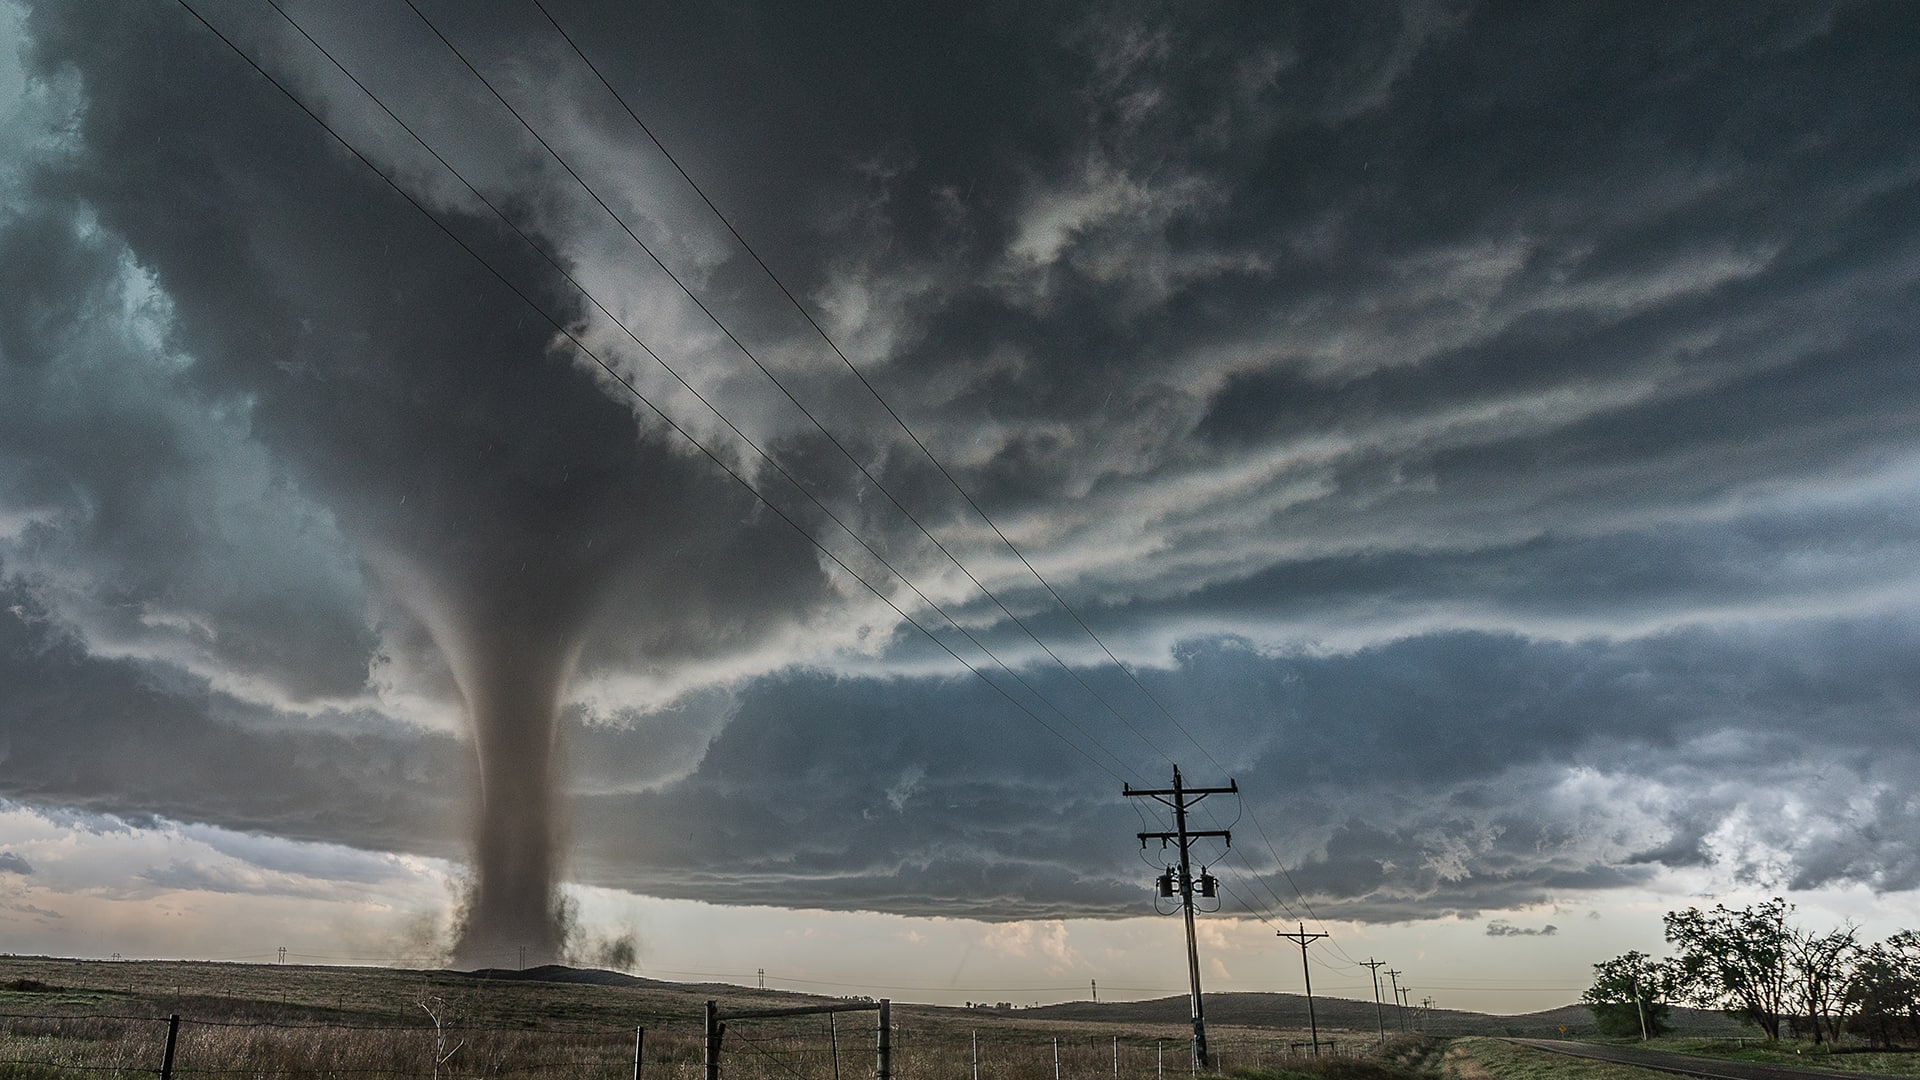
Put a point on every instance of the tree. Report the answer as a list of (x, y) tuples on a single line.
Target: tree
[(1630, 995), (1884, 994), (1735, 960), (1823, 972)]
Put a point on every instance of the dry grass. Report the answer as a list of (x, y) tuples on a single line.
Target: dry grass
[(99, 1019)]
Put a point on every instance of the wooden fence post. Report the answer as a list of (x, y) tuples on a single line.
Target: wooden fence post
[(173, 1033), (884, 1070), (715, 1029)]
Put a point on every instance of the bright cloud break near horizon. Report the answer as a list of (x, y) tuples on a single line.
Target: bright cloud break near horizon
[(745, 487)]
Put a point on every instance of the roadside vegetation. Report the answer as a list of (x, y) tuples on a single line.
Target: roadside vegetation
[(1476, 1057), (1826, 988), (1800, 1054)]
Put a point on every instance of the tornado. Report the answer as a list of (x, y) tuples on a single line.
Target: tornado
[(514, 683), (510, 611), (506, 496)]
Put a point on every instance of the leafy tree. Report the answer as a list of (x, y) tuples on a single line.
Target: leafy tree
[(1884, 993), (1630, 995), (1735, 960)]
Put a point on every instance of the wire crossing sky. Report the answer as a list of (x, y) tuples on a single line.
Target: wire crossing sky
[(1484, 435)]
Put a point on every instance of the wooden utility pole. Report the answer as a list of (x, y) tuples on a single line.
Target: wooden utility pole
[(1399, 1006), (1302, 938), (1179, 798), (1379, 1017)]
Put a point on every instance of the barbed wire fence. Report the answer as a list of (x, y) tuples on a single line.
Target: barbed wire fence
[(812, 1044)]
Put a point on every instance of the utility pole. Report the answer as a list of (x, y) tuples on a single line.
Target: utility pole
[(1401, 1008), (1094, 985), (1379, 1017), (1302, 938), (1426, 1009), (1406, 1002), (1179, 798)]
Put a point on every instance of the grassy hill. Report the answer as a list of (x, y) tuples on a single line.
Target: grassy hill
[(1278, 1010)]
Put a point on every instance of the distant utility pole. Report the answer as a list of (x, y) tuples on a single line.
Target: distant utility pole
[(1379, 1017), (1302, 938), (1426, 1009), (1180, 798), (1406, 1002), (1401, 1009), (763, 978), (1094, 985)]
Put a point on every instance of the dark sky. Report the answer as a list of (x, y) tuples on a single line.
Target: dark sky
[(1486, 432)]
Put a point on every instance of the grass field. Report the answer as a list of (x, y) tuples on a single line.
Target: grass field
[(73, 1019), (1481, 1058)]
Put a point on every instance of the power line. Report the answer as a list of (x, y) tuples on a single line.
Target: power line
[(794, 482), (1094, 740), (613, 215), (755, 360), (806, 314), (623, 381)]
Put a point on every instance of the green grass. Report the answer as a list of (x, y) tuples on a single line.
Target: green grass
[(1798, 1053)]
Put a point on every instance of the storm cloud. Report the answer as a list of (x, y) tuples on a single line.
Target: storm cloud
[(1486, 434)]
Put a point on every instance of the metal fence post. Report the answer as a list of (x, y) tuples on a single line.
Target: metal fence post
[(639, 1040)]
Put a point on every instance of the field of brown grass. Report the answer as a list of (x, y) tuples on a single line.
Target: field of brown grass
[(83, 1018)]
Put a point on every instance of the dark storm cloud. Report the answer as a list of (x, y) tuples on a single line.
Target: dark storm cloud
[(11, 863), (121, 737), (1487, 430), (502, 496), (1465, 773)]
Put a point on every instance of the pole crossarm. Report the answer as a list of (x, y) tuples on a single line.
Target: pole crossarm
[(1191, 834), (1232, 788)]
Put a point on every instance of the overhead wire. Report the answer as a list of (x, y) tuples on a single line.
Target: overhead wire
[(746, 439), (836, 442), (900, 421), (627, 383), (753, 358)]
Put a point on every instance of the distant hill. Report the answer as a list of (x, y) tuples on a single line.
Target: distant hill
[(1290, 1011), (1274, 1010), (560, 973)]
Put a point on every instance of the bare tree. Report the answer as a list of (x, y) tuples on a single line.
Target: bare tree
[(1823, 973)]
